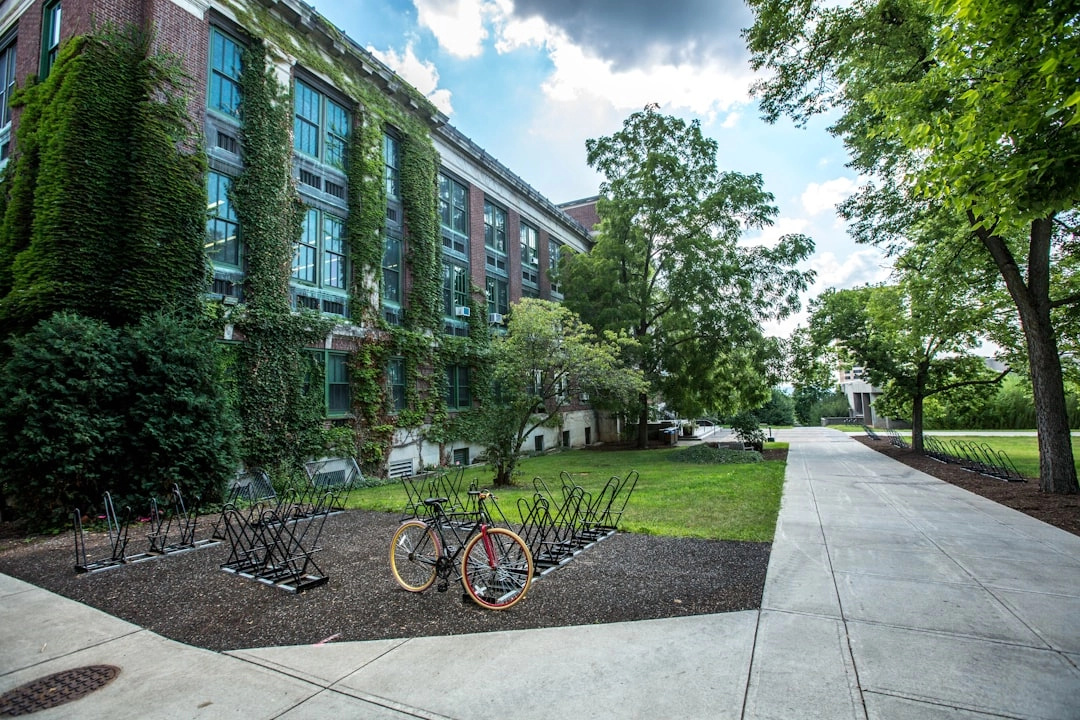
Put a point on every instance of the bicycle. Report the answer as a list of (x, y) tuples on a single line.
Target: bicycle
[(496, 566)]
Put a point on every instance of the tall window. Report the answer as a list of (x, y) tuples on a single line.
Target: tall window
[(223, 224), (50, 36), (454, 214), (457, 388), (554, 255), (391, 266), (530, 254), (395, 379), (494, 228), (224, 95), (337, 384), (7, 86), (319, 259), (498, 295), (455, 288), (320, 126), (392, 161)]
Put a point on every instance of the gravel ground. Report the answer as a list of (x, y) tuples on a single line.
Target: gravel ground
[(187, 597)]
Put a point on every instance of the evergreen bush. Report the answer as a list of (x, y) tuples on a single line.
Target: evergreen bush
[(86, 408), (706, 454)]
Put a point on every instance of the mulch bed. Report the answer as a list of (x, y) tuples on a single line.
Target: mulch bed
[(187, 597)]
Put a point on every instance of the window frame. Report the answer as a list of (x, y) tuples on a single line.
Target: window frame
[(452, 293), (8, 80), (51, 22), (455, 402), (392, 165), (231, 219), (398, 243), (554, 257), (530, 254), (330, 382), (232, 115), (322, 130), (455, 239), (396, 384), (328, 262)]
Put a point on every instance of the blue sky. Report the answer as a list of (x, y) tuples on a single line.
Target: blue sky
[(531, 80)]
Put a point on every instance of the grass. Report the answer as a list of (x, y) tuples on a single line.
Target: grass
[(719, 502)]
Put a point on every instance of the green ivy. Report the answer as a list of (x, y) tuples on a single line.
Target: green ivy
[(105, 198), (280, 398)]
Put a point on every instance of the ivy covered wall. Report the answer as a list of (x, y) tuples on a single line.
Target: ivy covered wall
[(103, 216)]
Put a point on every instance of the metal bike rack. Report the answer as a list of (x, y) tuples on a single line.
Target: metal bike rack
[(275, 543), (118, 539)]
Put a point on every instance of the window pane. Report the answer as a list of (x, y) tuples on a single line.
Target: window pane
[(391, 158), (307, 247), (337, 131), (337, 378), (392, 269), (333, 252), (224, 93), (223, 242)]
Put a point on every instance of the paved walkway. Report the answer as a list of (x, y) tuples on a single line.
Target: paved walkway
[(889, 595)]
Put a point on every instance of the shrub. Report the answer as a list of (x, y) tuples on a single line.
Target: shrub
[(706, 454), (85, 409)]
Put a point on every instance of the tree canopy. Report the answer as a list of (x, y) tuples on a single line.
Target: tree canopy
[(547, 360), (960, 105), (668, 268)]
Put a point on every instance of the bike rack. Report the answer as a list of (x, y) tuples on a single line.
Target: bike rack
[(338, 476), (436, 484), (275, 544), (118, 539)]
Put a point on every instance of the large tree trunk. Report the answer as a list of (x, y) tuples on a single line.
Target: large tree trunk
[(917, 423), (1057, 473), (917, 401), (643, 422)]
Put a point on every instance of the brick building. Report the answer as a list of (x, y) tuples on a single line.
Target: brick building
[(498, 234)]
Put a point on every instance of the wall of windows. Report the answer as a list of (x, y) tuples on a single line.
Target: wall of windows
[(456, 297)]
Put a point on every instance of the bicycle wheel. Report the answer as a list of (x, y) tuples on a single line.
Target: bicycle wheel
[(497, 568), (413, 554)]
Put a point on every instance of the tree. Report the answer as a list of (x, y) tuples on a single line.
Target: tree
[(545, 362), (811, 369), (968, 105), (667, 266), (912, 338)]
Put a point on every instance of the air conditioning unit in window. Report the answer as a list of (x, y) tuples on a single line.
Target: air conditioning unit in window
[(495, 318), (462, 311)]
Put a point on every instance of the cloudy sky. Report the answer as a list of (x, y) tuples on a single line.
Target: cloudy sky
[(531, 80)]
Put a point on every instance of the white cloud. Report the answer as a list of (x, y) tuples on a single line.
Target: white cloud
[(462, 26), (862, 266), (770, 236), (731, 120), (457, 24), (824, 197), (421, 74)]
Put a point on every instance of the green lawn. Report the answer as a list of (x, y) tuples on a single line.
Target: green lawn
[(720, 502)]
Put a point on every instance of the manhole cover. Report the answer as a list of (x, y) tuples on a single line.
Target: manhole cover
[(56, 689)]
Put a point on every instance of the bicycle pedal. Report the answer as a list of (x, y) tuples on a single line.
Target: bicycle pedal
[(443, 587)]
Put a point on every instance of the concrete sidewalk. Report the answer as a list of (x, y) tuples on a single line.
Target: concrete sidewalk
[(890, 594)]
